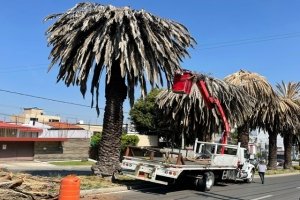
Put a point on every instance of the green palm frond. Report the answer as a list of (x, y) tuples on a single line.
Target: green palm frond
[(192, 113), (289, 91), (90, 38)]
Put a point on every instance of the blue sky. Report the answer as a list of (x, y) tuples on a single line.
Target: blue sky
[(259, 36)]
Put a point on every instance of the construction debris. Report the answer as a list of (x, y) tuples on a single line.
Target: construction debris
[(25, 186)]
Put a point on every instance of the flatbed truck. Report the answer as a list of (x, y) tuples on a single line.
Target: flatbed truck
[(203, 165), (206, 163)]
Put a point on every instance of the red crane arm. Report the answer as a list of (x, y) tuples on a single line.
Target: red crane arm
[(183, 83), (210, 102)]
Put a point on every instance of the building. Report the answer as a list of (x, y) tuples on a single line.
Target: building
[(259, 142), (90, 127), (38, 141), (34, 114), (17, 142)]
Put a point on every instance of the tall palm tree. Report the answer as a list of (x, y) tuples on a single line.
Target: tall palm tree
[(264, 115), (132, 46), (191, 114), (289, 96)]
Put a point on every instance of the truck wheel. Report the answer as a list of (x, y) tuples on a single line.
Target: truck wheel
[(206, 183), (250, 180), (209, 180)]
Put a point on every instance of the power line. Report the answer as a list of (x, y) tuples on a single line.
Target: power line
[(48, 99), (66, 115), (22, 70), (24, 66), (253, 38), (247, 41)]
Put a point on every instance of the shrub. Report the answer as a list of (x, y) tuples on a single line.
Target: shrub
[(95, 139), (297, 167), (126, 140)]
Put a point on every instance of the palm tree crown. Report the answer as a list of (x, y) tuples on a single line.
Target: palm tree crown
[(258, 87), (289, 95), (191, 111), (92, 36)]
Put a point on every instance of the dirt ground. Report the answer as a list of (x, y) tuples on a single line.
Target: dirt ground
[(30, 187)]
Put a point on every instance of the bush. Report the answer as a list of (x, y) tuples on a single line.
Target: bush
[(126, 140), (95, 139), (297, 167)]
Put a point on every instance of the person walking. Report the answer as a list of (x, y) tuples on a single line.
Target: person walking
[(262, 168)]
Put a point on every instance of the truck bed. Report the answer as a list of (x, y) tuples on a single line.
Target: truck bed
[(189, 163)]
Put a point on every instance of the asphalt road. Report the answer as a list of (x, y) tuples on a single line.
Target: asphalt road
[(275, 188)]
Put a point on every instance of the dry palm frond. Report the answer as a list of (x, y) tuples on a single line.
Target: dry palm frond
[(274, 112), (191, 111), (91, 37), (254, 84), (289, 96), (265, 115)]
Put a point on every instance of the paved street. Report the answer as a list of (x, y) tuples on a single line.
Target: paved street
[(275, 188)]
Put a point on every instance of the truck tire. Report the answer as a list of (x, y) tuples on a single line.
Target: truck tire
[(206, 183), (250, 180)]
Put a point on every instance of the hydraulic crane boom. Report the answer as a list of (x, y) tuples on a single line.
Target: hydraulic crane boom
[(183, 83)]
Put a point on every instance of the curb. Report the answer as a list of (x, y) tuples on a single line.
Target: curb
[(103, 190), (112, 189), (287, 174), (277, 175)]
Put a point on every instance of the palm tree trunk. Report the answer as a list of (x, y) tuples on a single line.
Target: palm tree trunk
[(243, 136), (298, 143), (110, 144), (272, 164), (288, 143)]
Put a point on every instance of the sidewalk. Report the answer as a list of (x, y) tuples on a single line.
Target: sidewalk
[(36, 165), (44, 168)]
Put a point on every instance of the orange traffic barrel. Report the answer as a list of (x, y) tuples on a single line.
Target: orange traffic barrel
[(69, 188)]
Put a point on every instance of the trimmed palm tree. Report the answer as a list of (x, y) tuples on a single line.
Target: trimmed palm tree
[(265, 115), (131, 46), (289, 97), (191, 114)]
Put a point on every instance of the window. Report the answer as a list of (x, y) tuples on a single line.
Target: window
[(53, 120), (28, 135), (11, 133)]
